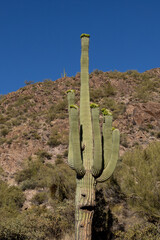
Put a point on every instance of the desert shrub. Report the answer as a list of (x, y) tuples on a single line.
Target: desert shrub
[(96, 94), (2, 140), (105, 91), (1, 96), (63, 183), (97, 72), (39, 198), (116, 108), (59, 179), (109, 90), (4, 132), (51, 114), (22, 100), (59, 159), (123, 140), (138, 177), (2, 119), (134, 73), (54, 139), (148, 231), (28, 82), (11, 198), (42, 154), (29, 184), (16, 121), (34, 134), (65, 154), (1, 171), (38, 223), (61, 105), (57, 110), (116, 74), (158, 135), (145, 87), (9, 141), (29, 172)]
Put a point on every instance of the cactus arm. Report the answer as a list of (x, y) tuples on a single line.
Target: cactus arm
[(97, 147), (107, 139), (71, 100), (107, 172), (75, 142)]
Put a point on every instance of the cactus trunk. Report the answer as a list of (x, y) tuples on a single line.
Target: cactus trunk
[(85, 192), (92, 159)]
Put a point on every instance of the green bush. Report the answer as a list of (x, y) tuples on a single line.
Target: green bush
[(54, 139), (145, 87), (2, 140), (158, 135), (96, 94), (57, 110), (2, 119), (59, 159), (4, 132), (139, 178), (11, 198), (105, 91), (109, 90), (123, 140), (39, 198), (59, 179), (148, 231), (38, 223), (42, 154)]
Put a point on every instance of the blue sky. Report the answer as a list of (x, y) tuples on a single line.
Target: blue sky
[(39, 38)]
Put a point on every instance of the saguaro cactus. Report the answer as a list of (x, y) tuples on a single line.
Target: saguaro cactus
[(91, 155)]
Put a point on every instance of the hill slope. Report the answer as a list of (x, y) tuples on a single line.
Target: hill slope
[(34, 134)]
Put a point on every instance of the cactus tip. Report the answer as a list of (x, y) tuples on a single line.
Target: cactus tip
[(74, 106), (70, 90), (85, 35), (94, 105), (106, 112)]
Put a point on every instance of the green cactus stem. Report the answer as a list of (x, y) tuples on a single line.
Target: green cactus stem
[(75, 141), (97, 147), (91, 154), (111, 139)]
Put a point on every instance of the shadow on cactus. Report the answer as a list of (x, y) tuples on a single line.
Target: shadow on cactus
[(91, 154)]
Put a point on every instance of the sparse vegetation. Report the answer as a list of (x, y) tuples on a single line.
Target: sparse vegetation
[(4, 132), (149, 231), (145, 87), (54, 139), (123, 140), (36, 115), (11, 199), (38, 223), (42, 154), (58, 178), (39, 198), (138, 177)]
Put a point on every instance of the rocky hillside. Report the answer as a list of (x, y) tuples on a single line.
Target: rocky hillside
[(34, 130)]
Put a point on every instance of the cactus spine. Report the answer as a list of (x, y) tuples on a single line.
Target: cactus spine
[(93, 160)]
